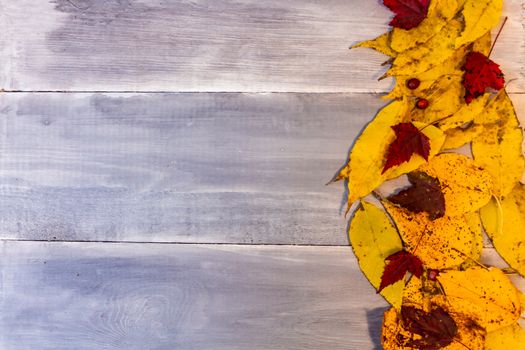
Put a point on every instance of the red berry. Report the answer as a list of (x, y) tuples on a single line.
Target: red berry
[(422, 103), (413, 83)]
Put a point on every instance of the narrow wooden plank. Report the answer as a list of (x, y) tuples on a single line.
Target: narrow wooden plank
[(207, 45), (135, 296), (224, 168)]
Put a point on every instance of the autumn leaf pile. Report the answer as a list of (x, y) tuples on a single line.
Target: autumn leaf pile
[(451, 137)]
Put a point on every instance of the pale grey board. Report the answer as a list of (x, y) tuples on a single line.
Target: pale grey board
[(208, 45), (58, 296), (225, 168)]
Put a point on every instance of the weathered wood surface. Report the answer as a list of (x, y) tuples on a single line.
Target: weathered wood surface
[(207, 45), (148, 296), (221, 168)]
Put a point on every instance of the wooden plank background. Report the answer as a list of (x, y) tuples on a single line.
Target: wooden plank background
[(174, 153)]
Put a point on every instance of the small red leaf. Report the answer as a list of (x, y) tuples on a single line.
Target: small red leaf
[(424, 195), (480, 73), (408, 13), (398, 264), (409, 140), (436, 328)]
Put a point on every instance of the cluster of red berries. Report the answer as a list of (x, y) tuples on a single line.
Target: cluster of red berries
[(412, 84)]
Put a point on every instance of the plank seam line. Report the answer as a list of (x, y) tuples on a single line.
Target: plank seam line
[(177, 243)]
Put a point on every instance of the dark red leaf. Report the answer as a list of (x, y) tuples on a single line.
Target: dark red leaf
[(398, 264), (480, 73), (436, 328), (409, 140), (424, 195), (408, 13)]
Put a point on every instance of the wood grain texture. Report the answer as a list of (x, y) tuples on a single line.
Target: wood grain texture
[(208, 45), (134, 296), (147, 296), (225, 168)]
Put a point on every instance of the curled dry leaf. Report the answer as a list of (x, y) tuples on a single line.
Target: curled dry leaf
[(465, 185), (423, 196), (498, 148), (505, 224), (374, 239), (364, 170), (408, 13), (439, 244), (397, 266)]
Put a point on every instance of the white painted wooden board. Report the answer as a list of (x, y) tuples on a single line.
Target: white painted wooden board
[(208, 45), (62, 296), (225, 168)]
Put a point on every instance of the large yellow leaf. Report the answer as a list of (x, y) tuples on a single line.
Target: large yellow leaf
[(486, 296), (458, 137), (439, 13), (442, 243), (480, 16), (373, 239), (505, 226), (508, 338), (498, 148), (428, 55), (367, 158), (380, 44), (466, 187), (394, 335), (465, 114)]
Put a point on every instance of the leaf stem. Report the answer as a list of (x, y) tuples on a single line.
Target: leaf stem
[(497, 35)]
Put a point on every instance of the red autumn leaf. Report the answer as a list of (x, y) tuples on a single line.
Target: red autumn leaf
[(424, 195), (398, 264), (480, 73), (409, 140), (408, 13), (436, 328)]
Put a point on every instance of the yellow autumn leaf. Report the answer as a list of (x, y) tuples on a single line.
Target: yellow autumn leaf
[(466, 114), (480, 16), (442, 243), (373, 239), (380, 44), (485, 295), (508, 338), (367, 158), (458, 137), (476, 247), (483, 44), (466, 187), (439, 13), (504, 225), (498, 148), (394, 336), (428, 55)]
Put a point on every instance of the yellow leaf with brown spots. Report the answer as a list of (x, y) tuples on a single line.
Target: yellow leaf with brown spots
[(466, 187), (505, 225), (373, 239), (442, 243), (498, 148), (480, 16), (509, 338)]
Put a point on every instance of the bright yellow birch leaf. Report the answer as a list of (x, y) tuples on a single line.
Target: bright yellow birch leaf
[(498, 148), (380, 44), (367, 158), (466, 186), (373, 239), (439, 13), (480, 16), (508, 338), (458, 137), (394, 336), (504, 225), (466, 114), (487, 296), (442, 243), (428, 55)]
